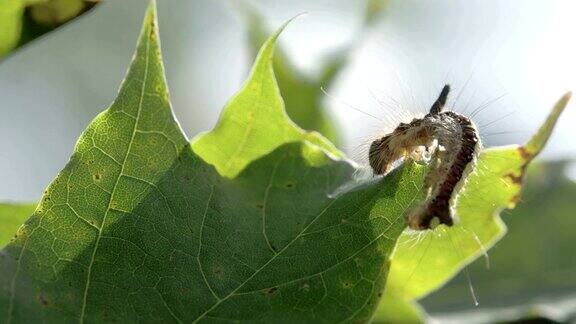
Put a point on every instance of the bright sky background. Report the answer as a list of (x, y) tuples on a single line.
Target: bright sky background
[(519, 49), (524, 49)]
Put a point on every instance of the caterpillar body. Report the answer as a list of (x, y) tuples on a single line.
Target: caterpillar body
[(445, 139)]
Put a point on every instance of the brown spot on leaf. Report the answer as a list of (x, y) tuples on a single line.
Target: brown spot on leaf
[(516, 179), (97, 177), (524, 153), (271, 290)]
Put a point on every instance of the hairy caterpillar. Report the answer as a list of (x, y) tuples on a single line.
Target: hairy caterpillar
[(449, 141)]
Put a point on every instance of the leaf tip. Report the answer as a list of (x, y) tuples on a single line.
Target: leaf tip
[(152, 5), (540, 138), (298, 16), (150, 24), (272, 40), (566, 97)]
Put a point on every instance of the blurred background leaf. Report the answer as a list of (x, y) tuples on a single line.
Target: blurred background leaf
[(21, 21), (12, 215)]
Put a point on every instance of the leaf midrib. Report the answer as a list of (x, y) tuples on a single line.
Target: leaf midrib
[(99, 234)]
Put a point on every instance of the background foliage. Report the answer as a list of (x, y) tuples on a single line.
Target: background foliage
[(21, 21)]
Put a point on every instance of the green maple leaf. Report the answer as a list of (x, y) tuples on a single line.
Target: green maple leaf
[(138, 227)]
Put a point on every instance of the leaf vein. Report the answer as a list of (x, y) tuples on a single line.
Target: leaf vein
[(265, 264), (200, 246)]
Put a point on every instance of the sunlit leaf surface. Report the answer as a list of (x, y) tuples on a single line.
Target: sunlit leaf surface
[(254, 122), (302, 93), (532, 268)]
